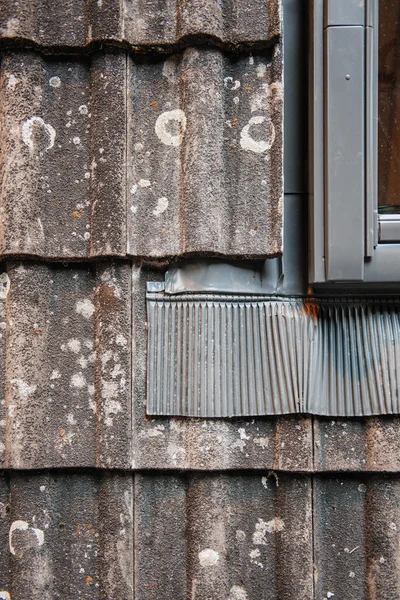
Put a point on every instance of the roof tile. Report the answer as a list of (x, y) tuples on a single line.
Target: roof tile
[(110, 155), (157, 24)]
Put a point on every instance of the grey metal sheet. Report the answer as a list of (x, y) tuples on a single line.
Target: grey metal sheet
[(213, 356), (215, 277), (344, 12), (389, 228), (147, 24), (371, 140), (283, 443), (345, 154), (316, 213), (372, 13)]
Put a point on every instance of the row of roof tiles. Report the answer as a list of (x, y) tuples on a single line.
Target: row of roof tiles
[(156, 157), (73, 344), (239, 536), (158, 24)]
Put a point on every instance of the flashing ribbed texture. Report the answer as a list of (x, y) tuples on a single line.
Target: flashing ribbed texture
[(237, 356)]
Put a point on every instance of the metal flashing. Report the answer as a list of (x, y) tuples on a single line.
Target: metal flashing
[(226, 356)]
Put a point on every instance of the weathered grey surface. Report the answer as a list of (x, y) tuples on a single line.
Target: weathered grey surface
[(145, 23), (356, 537), (357, 444), (66, 536), (67, 367), (62, 127), (239, 537), (165, 156), (205, 161)]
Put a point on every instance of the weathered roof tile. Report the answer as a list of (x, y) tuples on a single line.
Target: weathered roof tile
[(66, 535), (144, 23), (111, 155), (67, 366), (62, 156), (205, 155)]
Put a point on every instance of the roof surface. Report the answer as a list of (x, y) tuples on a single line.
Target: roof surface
[(131, 133)]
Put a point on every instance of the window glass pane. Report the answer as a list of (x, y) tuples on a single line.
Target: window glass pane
[(389, 107)]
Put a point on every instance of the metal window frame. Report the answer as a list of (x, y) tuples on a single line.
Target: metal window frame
[(349, 244)]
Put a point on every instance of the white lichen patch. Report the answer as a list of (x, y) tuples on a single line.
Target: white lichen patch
[(78, 381), (263, 527), (12, 81), (237, 593), (71, 419), (170, 127), (162, 205), (83, 109), (4, 595), (55, 375), (85, 308), (4, 285), (34, 124), (242, 433), (24, 389), (111, 408), (55, 81), (76, 140), (254, 558), (249, 142), (156, 431), (144, 183), (11, 29), (231, 84), (240, 444), (261, 69), (24, 526), (208, 557), (74, 345), (121, 340)]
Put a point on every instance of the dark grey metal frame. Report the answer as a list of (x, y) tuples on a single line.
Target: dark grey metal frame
[(349, 243)]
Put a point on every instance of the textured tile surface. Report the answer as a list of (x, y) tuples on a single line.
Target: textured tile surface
[(66, 536), (356, 537), (62, 155), (67, 368), (165, 156), (231, 536), (159, 24)]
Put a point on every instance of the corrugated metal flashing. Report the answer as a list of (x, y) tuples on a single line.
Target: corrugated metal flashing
[(225, 356)]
